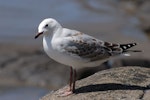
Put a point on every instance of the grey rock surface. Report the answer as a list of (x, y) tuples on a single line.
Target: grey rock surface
[(125, 83)]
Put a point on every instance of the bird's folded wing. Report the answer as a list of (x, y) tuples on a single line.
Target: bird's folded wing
[(89, 48)]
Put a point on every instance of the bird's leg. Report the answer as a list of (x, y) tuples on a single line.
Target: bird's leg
[(71, 79), (74, 80), (71, 76), (67, 90)]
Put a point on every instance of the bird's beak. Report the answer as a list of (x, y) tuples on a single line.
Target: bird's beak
[(38, 34)]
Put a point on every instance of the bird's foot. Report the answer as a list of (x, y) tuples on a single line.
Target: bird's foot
[(64, 91)]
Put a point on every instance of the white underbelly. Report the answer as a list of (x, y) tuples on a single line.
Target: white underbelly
[(64, 58)]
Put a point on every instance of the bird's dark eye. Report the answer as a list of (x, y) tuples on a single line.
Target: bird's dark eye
[(46, 25)]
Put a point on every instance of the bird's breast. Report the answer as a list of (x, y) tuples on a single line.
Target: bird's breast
[(48, 47)]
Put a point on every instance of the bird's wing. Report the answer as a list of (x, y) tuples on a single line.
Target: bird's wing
[(90, 48)]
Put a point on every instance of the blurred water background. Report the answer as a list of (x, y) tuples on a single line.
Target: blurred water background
[(126, 20), (21, 18)]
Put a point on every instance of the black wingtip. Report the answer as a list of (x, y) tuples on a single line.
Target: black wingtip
[(127, 46)]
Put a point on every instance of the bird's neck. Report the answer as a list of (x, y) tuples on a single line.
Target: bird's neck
[(56, 32), (49, 39)]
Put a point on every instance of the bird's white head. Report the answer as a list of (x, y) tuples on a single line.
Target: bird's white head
[(47, 26)]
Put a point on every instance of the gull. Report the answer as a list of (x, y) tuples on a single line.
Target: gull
[(76, 49)]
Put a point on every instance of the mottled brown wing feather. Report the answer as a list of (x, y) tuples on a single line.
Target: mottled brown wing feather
[(92, 51)]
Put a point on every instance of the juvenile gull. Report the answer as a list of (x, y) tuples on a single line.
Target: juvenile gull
[(76, 49)]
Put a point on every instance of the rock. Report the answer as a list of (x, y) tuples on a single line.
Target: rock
[(125, 83)]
